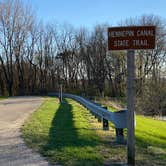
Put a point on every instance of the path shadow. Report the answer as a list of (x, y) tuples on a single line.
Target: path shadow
[(63, 132), (66, 144)]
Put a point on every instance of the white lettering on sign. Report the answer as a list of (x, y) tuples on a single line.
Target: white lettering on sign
[(140, 42), (121, 33), (118, 43), (145, 33), (132, 37)]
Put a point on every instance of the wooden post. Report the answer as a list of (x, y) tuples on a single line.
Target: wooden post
[(120, 136), (60, 93), (105, 122), (99, 119), (130, 107)]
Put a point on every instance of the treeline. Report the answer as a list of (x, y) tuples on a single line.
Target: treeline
[(36, 59)]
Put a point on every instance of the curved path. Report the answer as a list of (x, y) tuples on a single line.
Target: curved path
[(13, 152)]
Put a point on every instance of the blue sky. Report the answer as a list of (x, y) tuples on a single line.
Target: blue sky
[(87, 13)]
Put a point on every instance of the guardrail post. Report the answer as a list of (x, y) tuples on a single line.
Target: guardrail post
[(105, 122), (119, 136), (99, 119), (93, 114), (60, 94), (97, 116)]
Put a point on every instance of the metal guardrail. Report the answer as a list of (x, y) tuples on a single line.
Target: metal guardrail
[(119, 119)]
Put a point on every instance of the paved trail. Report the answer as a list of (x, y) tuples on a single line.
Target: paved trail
[(13, 152)]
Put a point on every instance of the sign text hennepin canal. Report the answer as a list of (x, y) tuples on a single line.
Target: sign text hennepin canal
[(122, 38)]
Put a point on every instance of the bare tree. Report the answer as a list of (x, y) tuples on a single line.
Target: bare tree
[(14, 26)]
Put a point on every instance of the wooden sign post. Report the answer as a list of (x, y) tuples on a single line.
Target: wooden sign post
[(131, 38), (130, 107), (60, 94)]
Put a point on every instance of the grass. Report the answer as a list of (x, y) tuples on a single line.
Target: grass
[(150, 135), (113, 104), (150, 140), (2, 97), (68, 134)]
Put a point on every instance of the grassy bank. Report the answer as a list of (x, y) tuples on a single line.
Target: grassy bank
[(150, 141), (69, 135), (150, 135)]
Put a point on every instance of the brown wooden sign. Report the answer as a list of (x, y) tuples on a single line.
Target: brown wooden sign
[(136, 37)]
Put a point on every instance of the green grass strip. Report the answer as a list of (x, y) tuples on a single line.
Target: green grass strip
[(150, 132), (63, 133), (68, 134), (2, 97)]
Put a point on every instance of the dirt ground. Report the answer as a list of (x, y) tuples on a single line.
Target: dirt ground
[(13, 151)]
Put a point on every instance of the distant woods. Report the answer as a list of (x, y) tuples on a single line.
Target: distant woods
[(36, 59)]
